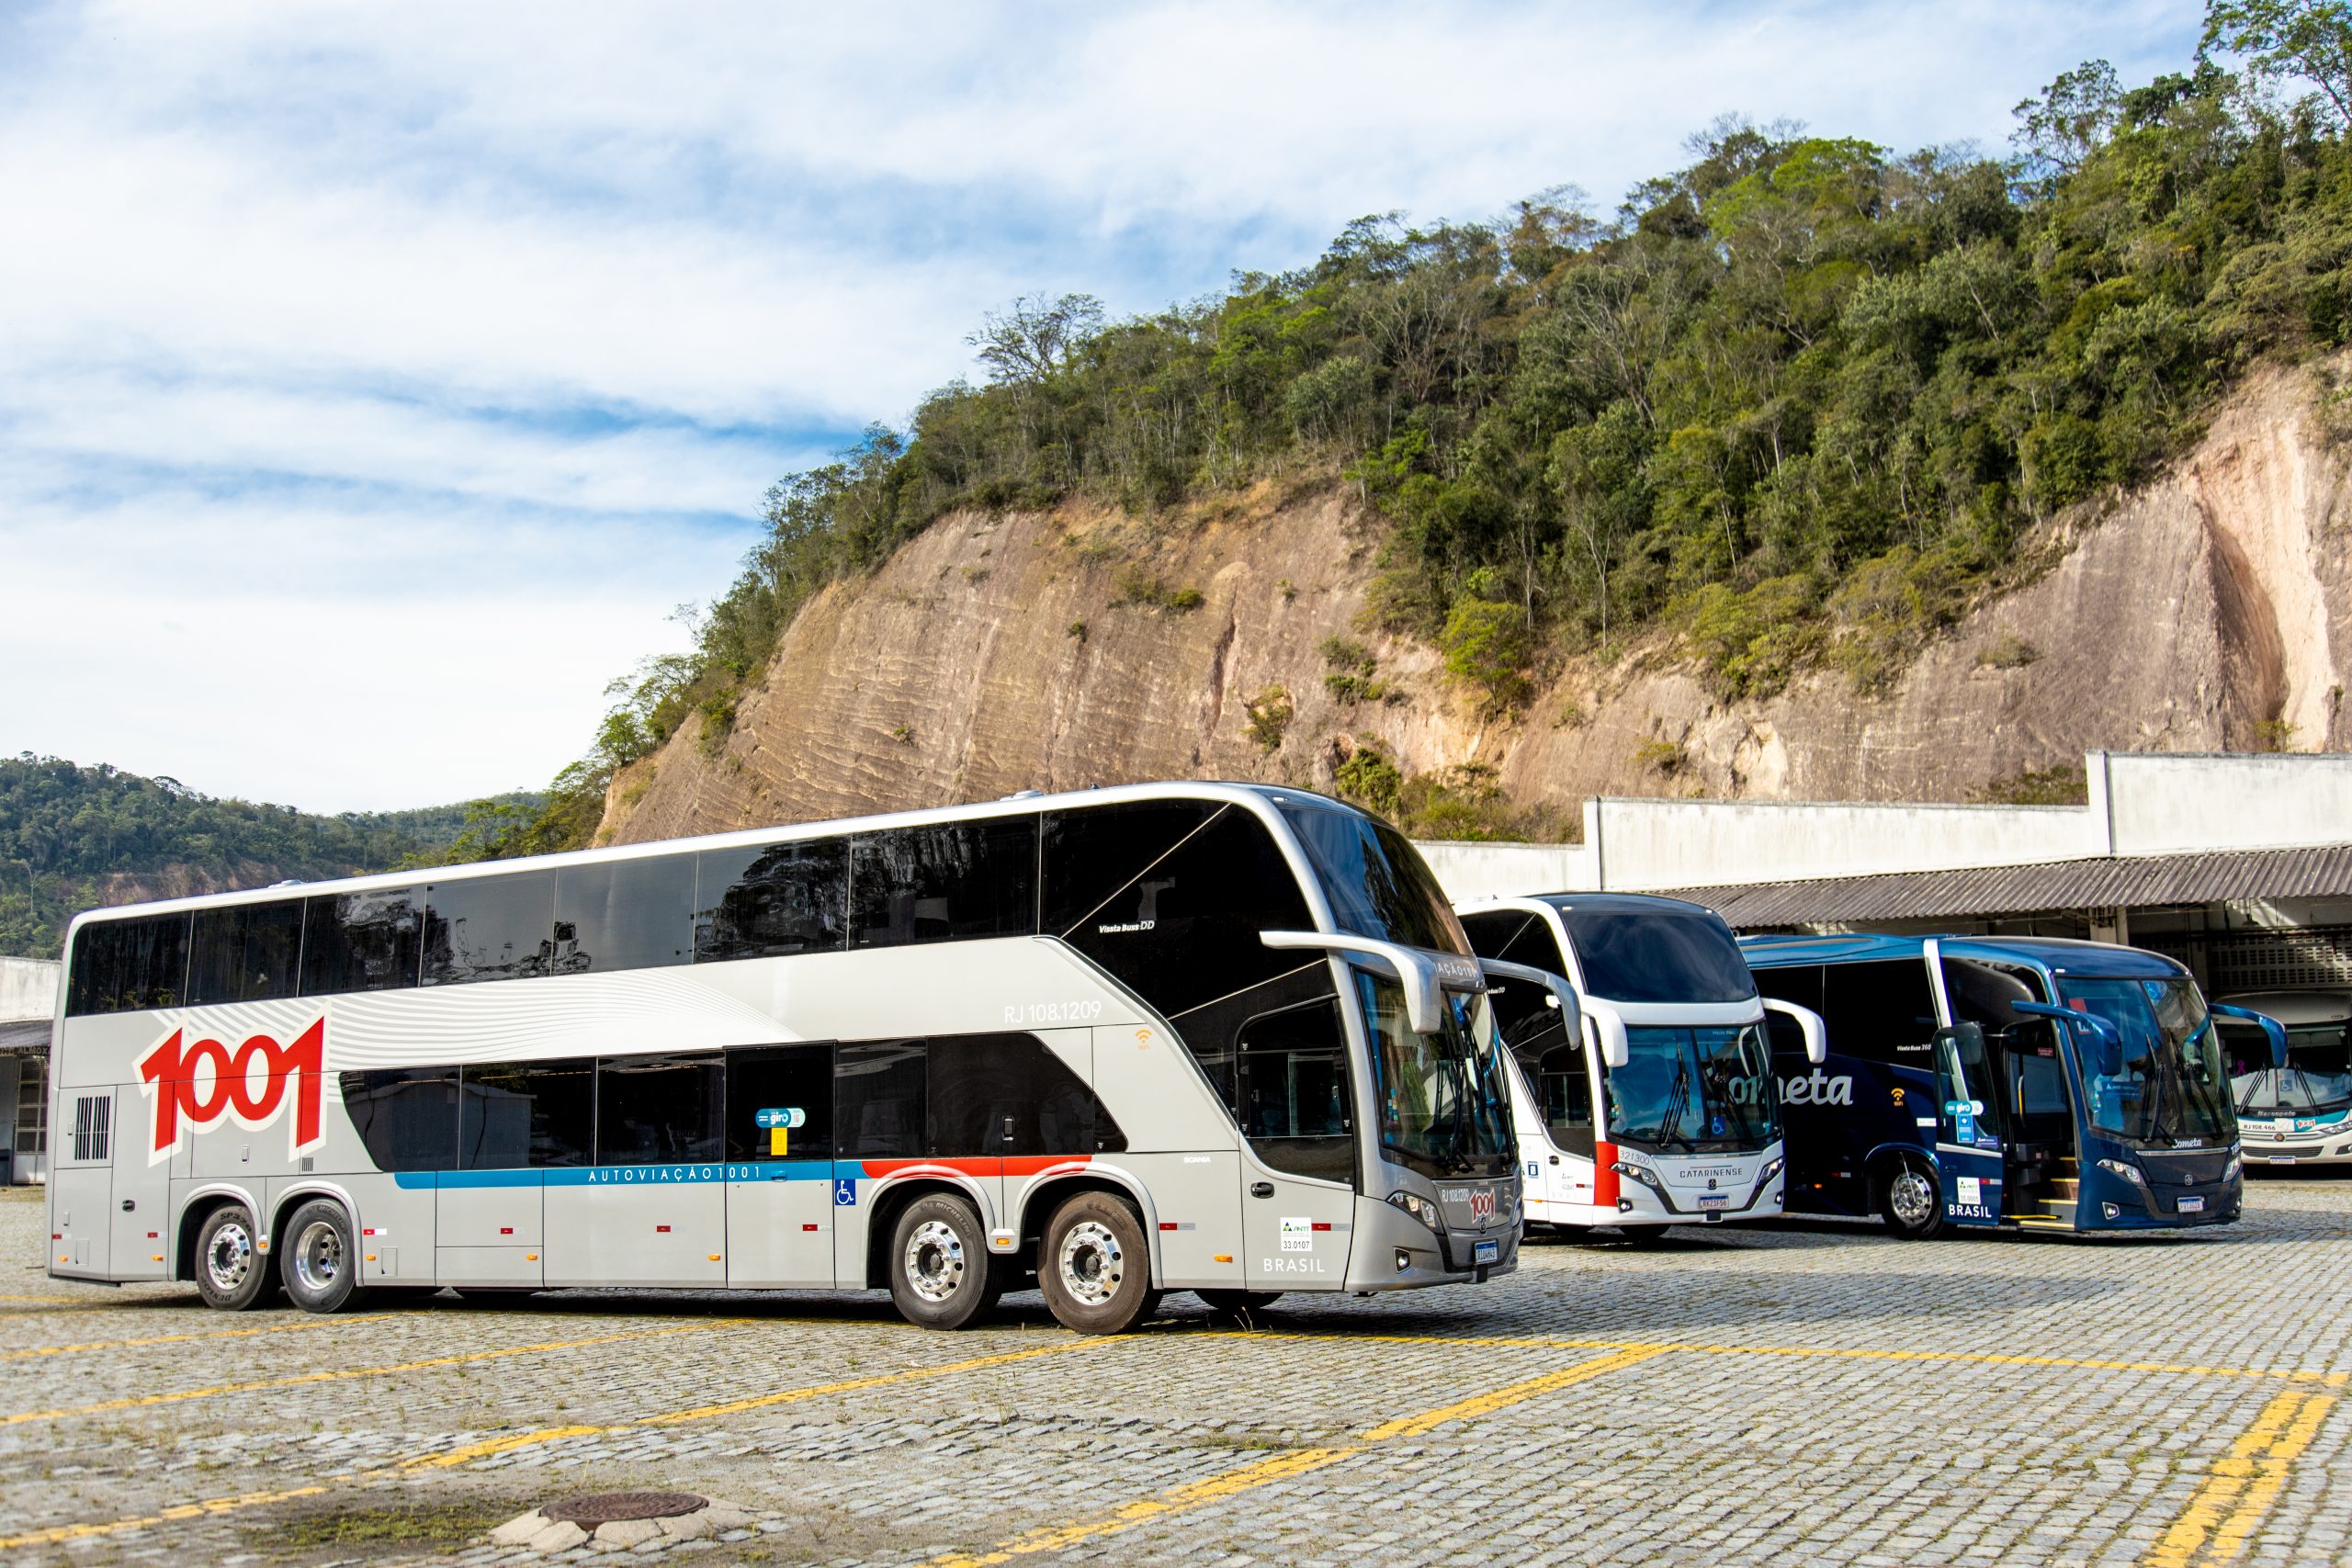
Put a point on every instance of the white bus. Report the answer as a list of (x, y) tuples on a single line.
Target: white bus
[(1642, 1089), (1212, 1038), (2298, 1110)]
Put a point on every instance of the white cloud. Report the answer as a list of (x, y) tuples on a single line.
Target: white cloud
[(482, 321)]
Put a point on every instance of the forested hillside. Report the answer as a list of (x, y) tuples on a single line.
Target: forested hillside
[(1792, 406), (74, 837)]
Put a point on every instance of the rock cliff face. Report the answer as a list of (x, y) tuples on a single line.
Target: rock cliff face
[(2210, 611)]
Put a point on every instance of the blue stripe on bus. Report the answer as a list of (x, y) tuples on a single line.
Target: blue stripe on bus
[(637, 1175)]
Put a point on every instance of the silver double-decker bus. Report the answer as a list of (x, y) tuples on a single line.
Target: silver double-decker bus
[(1213, 1038)]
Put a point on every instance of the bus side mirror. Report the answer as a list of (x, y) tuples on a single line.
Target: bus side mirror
[(2272, 1030), (1808, 1022), (2089, 1022), (1606, 1026)]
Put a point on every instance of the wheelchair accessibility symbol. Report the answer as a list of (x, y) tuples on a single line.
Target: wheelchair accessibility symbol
[(846, 1193)]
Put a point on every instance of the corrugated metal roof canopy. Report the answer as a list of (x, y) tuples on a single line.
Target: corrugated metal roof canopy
[(32, 1036), (2103, 882)]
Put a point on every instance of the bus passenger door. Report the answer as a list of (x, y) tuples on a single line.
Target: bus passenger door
[(780, 1166), (1552, 1100), (1968, 1143), (1296, 1107)]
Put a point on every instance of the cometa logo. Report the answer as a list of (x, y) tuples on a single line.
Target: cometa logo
[(196, 1087), (1817, 1088)]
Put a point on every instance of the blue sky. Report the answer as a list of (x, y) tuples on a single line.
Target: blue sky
[(376, 381)]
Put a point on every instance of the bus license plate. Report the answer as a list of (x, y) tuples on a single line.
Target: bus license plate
[(1486, 1252), (1713, 1201), (2192, 1205), (2280, 1159)]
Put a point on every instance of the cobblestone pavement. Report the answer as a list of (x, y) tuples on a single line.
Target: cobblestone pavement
[(1810, 1393)]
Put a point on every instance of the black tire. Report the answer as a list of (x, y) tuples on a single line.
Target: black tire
[(1910, 1201), (1094, 1268), (940, 1275), (1646, 1235), (1242, 1306), (232, 1274), (317, 1262)]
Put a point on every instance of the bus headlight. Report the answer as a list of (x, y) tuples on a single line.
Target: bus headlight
[(1772, 1169), (1420, 1208), (1640, 1173), (2230, 1171), (2125, 1169)]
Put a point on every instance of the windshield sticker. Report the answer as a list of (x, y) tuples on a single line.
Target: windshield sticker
[(1298, 1235)]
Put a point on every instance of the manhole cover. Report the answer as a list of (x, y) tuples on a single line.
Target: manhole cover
[(612, 1507)]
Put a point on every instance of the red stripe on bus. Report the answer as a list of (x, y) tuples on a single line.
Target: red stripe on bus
[(977, 1165), (1604, 1178)]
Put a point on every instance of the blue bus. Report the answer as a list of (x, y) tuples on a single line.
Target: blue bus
[(2004, 1081)]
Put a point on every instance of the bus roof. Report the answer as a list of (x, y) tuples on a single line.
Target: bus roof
[(2061, 955), (1604, 903), (1025, 803)]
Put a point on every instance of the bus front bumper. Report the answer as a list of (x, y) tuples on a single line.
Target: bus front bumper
[(1393, 1251)]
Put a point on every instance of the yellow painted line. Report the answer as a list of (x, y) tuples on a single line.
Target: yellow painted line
[(494, 1446), (339, 1375), (794, 1395), (183, 1338), (1282, 1466), (1980, 1358), (2231, 1503), (210, 1505)]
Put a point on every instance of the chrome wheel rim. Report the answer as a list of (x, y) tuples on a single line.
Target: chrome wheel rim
[(1092, 1263), (935, 1261), (1911, 1199), (229, 1257), (317, 1255)]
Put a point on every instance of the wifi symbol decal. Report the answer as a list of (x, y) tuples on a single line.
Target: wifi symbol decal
[(1143, 1039)]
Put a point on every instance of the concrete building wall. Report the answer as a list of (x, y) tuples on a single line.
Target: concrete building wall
[(29, 988), (2140, 804)]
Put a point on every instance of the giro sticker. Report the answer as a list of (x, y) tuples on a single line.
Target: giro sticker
[(191, 1087)]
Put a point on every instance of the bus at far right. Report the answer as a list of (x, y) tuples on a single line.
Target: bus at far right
[(2298, 1112), (2020, 1082)]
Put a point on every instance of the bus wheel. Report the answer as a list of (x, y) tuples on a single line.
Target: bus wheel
[(1910, 1203), (940, 1275), (231, 1272), (1094, 1268), (1237, 1304), (319, 1265)]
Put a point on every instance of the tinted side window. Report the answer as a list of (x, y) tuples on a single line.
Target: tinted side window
[(1657, 957), (878, 1100), (490, 927), (1882, 1011), (763, 902), (1006, 1094), (407, 1117), (626, 914), (1170, 896), (126, 965), (245, 953), (1514, 937), (1799, 982), (536, 1113), (654, 1110), (1294, 1103), (362, 942), (765, 1078), (940, 884)]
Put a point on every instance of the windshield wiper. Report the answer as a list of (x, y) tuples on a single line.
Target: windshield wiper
[(1677, 1101)]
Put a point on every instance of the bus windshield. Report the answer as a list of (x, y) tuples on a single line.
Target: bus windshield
[(1443, 1110), (1666, 955), (2316, 1078), (2164, 1080), (1376, 879), (1704, 1090)]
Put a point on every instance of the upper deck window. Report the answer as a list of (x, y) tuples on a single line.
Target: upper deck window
[(1658, 955), (126, 965), (362, 942), (245, 953), (944, 883), (490, 927), (768, 900), (623, 914), (1376, 881)]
